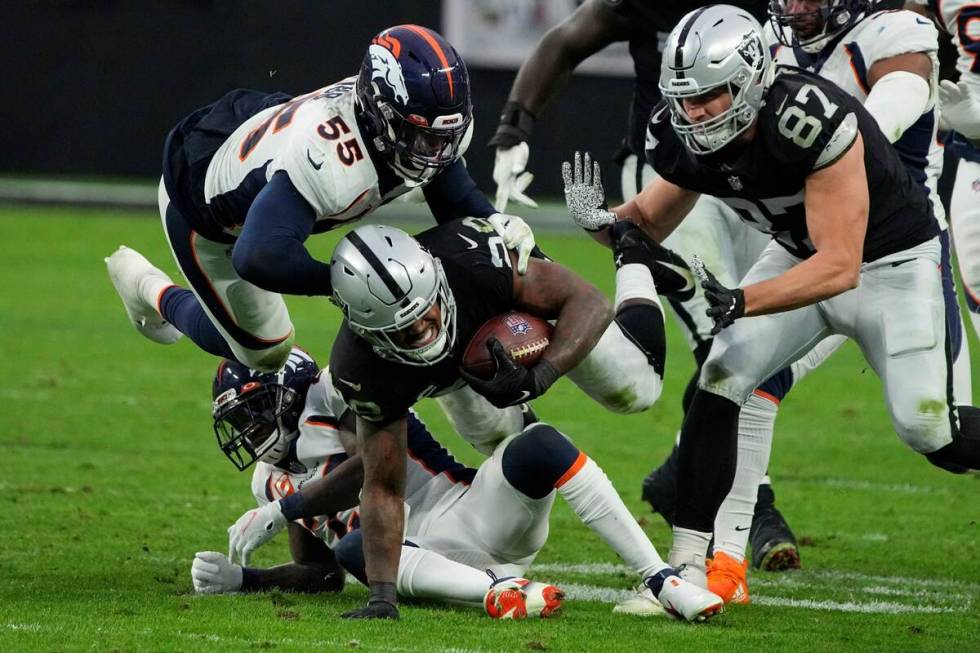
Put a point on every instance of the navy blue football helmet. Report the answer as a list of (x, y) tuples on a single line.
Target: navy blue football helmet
[(414, 94), (256, 414), (812, 30)]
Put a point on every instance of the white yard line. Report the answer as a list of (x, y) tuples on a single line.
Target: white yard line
[(869, 607)]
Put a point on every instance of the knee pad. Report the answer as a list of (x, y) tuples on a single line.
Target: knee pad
[(265, 360), (534, 461), (349, 553)]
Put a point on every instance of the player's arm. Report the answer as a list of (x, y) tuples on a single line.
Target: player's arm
[(658, 208), (900, 92), (836, 217), (382, 448), (313, 569), (546, 71), (581, 312), (270, 252)]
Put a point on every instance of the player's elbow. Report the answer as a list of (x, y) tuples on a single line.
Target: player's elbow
[(251, 261), (845, 275)]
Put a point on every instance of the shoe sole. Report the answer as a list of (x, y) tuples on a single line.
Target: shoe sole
[(781, 557)]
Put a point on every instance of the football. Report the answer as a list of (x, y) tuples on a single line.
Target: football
[(526, 338)]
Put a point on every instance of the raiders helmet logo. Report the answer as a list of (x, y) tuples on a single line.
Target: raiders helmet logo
[(750, 49)]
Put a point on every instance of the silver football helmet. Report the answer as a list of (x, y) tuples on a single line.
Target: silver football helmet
[(384, 280), (715, 47)]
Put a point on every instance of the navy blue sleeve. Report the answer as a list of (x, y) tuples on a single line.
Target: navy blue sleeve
[(453, 194), (270, 251)]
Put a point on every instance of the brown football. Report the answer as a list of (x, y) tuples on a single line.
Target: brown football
[(526, 338)]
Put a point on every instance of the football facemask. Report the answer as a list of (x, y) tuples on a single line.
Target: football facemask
[(251, 425)]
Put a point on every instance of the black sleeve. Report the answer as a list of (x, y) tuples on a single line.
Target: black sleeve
[(270, 251), (453, 194)]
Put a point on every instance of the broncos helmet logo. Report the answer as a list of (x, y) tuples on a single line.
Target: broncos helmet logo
[(385, 66)]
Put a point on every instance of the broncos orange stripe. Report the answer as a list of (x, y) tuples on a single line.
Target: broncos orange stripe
[(424, 33)]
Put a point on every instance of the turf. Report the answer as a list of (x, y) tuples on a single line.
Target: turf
[(111, 481)]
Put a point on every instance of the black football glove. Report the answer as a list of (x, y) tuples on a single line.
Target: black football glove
[(512, 383), (725, 305), (374, 610)]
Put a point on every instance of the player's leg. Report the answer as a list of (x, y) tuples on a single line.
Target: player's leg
[(742, 357), (481, 423), (900, 321), (222, 313), (964, 217), (960, 348)]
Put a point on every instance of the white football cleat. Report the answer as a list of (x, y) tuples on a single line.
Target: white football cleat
[(139, 284), (642, 604), (519, 598), (683, 599)]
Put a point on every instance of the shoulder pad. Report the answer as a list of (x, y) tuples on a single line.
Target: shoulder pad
[(839, 143), (888, 34)]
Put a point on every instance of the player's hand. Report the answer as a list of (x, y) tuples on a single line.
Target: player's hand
[(725, 305), (959, 108), (584, 196), (253, 529), (213, 573), (374, 610), (517, 236), (511, 176), (512, 383)]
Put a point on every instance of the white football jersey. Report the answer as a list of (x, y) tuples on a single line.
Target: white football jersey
[(961, 20), (315, 138), (879, 36), (434, 479)]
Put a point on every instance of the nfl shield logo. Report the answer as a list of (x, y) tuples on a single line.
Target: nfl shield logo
[(735, 182), (517, 324)]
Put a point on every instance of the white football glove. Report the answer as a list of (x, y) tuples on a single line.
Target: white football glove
[(213, 573), (253, 529), (584, 196), (959, 108), (511, 176), (517, 236)]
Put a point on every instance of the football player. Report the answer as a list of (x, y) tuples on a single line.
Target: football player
[(461, 525), (247, 179), (960, 115), (411, 307), (887, 60), (855, 251), (712, 229)]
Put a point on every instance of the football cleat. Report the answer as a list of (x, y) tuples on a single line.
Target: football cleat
[(140, 285), (642, 604), (682, 599), (726, 578), (519, 598), (772, 541), (671, 274)]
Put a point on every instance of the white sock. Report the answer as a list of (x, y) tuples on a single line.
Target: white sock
[(427, 574), (755, 426), (690, 548), (634, 281), (595, 501)]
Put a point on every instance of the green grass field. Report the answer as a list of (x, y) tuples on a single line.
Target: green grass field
[(111, 480)]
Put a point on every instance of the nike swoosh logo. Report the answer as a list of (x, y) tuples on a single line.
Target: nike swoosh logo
[(472, 243), (524, 396), (781, 105), (921, 22), (742, 528), (657, 117), (316, 166), (356, 387), (682, 271)]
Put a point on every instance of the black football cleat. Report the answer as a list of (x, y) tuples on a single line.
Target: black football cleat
[(660, 488), (773, 544), (671, 275)]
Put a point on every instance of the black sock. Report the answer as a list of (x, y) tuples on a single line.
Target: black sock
[(963, 453), (643, 324), (706, 460)]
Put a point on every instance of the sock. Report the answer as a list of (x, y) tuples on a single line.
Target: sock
[(734, 520), (426, 574), (180, 307), (643, 324), (590, 494), (689, 548), (706, 460)]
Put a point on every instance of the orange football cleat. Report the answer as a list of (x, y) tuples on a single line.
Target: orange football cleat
[(518, 598), (726, 578)]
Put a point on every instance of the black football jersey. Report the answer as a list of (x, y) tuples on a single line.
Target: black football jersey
[(478, 269), (650, 22), (764, 181)]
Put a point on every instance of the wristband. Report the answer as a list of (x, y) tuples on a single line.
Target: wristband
[(293, 507), (382, 593), (516, 124), (545, 375)]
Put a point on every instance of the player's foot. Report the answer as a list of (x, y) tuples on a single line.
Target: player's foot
[(140, 285), (671, 274), (772, 541), (726, 578), (642, 604), (660, 488), (683, 599), (519, 598)]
